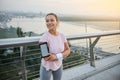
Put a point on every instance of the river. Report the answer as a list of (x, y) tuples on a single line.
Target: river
[(108, 44)]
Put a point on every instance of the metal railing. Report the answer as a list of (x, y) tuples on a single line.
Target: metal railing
[(22, 49)]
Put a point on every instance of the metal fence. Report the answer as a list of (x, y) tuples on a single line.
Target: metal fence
[(20, 57)]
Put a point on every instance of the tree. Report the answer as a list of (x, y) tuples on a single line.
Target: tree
[(20, 32)]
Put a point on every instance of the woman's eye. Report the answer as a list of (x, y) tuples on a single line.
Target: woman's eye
[(47, 20), (51, 20)]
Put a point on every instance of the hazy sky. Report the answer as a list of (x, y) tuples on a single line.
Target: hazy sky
[(75, 7)]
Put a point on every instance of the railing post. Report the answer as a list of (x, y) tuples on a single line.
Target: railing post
[(91, 45), (86, 38), (22, 55), (119, 25)]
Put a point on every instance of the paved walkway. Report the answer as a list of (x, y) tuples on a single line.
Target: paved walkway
[(106, 69), (84, 71), (110, 74)]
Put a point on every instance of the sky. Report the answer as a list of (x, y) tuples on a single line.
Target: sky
[(71, 7)]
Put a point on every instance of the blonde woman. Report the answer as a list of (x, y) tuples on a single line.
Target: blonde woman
[(58, 49)]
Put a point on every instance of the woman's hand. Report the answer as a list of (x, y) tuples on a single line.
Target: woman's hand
[(52, 57)]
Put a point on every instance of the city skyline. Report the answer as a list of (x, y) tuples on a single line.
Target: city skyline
[(108, 8)]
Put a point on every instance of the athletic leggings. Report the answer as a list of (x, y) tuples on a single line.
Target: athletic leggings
[(46, 75)]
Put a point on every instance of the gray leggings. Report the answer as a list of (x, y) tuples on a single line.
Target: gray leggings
[(46, 75)]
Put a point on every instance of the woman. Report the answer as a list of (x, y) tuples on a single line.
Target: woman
[(58, 49)]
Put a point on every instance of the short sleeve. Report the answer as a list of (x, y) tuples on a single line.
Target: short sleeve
[(44, 38), (63, 37)]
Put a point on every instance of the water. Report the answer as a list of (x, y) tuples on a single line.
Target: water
[(109, 43)]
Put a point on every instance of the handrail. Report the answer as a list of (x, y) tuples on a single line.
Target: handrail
[(23, 43), (91, 35), (12, 42)]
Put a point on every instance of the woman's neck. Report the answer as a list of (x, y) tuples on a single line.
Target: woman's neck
[(53, 32)]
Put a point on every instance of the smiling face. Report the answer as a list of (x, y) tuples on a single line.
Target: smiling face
[(51, 22)]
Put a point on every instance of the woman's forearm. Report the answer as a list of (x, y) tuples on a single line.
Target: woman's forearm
[(66, 52)]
